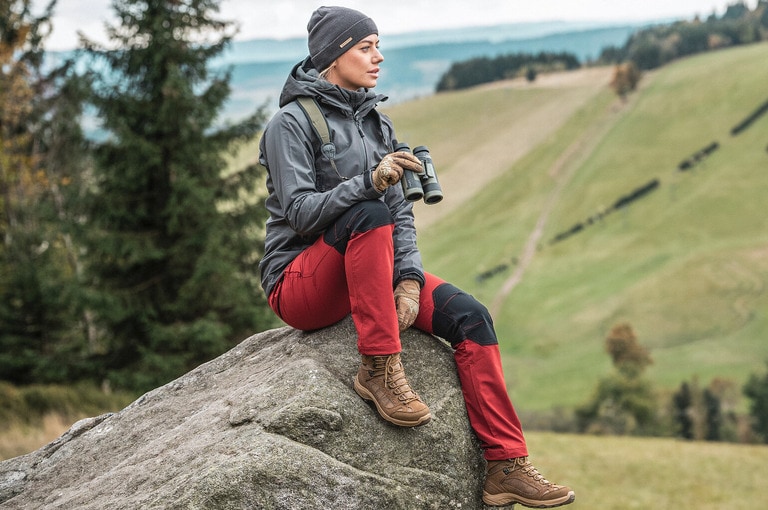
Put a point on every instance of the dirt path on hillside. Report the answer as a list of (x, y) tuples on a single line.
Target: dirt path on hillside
[(561, 173), (511, 140), (518, 136)]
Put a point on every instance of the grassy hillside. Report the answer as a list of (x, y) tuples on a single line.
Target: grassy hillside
[(686, 266)]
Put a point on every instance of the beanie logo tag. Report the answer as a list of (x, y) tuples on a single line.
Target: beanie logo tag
[(345, 42)]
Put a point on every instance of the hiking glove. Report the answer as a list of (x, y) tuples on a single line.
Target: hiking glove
[(407, 302), (390, 169)]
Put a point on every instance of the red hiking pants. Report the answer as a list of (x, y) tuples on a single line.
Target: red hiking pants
[(349, 270)]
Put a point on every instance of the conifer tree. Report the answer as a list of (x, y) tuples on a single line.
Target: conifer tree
[(174, 245), (756, 390), (682, 401)]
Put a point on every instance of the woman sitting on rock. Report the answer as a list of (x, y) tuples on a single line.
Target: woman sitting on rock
[(340, 239)]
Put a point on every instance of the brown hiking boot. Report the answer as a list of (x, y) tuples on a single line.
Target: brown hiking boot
[(517, 481), (381, 379)]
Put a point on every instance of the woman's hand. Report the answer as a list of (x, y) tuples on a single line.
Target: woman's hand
[(407, 302), (390, 170)]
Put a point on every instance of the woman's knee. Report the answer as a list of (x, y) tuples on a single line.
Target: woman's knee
[(359, 218), (367, 215), (458, 316)]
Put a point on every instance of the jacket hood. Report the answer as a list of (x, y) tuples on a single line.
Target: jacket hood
[(305, 81)]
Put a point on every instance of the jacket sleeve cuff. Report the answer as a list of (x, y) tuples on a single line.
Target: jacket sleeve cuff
[(410, 274), (368, 180)]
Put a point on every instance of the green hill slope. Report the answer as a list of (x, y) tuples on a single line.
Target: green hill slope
[(686, 265)]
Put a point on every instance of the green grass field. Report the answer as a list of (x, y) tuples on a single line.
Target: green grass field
[(686, 266), (622, 473)]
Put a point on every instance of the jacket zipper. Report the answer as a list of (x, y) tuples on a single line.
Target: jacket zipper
[(359, 125)]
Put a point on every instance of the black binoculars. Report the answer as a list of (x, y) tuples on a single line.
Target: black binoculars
[(423, 185)]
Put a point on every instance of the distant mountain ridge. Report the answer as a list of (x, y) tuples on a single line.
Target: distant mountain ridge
[(414, 61)]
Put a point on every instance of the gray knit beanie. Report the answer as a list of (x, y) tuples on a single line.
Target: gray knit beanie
[(333, 30)]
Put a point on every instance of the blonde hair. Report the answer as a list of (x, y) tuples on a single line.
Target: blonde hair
[(324, 73)]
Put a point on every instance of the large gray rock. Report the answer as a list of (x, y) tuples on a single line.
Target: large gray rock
[(275, 424)]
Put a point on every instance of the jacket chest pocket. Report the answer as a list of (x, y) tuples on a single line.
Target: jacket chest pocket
[(325, 177)]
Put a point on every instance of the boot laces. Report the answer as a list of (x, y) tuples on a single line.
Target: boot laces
[(394, 377), (529, 469)]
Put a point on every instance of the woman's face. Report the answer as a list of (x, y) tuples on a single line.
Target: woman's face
[(359, 66)]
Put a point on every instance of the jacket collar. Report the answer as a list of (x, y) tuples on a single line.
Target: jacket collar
[(304, 80)]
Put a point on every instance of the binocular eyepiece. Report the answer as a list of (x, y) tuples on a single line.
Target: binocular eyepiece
[(424, 185)]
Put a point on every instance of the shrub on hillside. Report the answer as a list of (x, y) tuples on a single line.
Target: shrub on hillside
[(752, 117)]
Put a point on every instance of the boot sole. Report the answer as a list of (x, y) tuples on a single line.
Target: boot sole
[(367, 395), (506, 498)]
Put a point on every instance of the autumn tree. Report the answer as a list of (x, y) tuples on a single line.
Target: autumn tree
[(624, 402), (19, 70), (625, 78), (36, 305), (175, 236), (628, 356)]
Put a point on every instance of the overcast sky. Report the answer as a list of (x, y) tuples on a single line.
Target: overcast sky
[(288, 18)]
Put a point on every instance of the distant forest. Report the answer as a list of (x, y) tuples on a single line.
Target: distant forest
[(647, 48), (476, 71)]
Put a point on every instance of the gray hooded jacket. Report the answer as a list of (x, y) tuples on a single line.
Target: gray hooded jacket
[(306, 195)]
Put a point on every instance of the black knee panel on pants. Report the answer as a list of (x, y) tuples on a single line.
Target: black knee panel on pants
[(459, 316), (361, 217)]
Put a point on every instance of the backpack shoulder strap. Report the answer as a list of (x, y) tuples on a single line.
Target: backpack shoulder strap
[(320, 126), (312, 110)]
